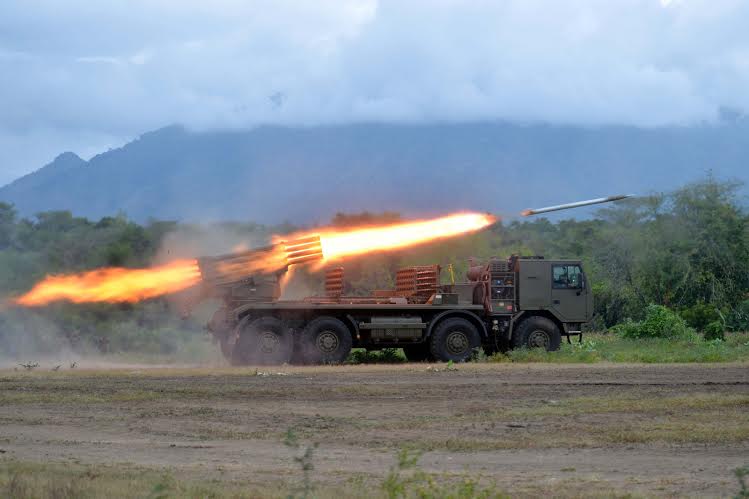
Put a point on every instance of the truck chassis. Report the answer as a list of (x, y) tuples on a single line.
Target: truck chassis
[(512, 303)]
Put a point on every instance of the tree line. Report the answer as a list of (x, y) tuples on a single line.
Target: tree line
[(687, 250)]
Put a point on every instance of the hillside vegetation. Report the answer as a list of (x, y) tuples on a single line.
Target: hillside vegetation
[(669, 265), (306, 174)]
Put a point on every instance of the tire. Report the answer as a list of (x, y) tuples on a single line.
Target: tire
[(417, 353), (325, 340), (537, 332), (454, 339), (263, 341)]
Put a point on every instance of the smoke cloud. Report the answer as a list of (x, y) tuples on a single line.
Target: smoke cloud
[(102, 335), (88, 76)]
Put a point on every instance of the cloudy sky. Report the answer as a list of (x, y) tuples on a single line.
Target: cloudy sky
[(86, 75)]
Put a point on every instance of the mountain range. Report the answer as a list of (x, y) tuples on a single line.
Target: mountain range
[(272, 174)]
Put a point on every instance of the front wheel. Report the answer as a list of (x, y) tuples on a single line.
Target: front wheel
[(537, 332), (454, 339)]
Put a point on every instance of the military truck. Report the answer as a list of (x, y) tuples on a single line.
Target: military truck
[(517, 302), (507, 303)]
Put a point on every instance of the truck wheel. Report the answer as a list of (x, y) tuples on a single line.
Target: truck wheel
[(417, 353), (454, 339), (326, 340), (537, 332), (263, 341)]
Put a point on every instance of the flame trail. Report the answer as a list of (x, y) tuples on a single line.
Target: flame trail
[(338, 244), (114, 284), (131, 285)]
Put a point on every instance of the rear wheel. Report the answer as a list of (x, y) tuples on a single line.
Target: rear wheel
[(417, 353), (537, 332), (263, 341), (325, 340), (454, 339)]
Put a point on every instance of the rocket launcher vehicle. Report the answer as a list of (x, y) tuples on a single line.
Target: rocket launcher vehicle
[(253, 275)]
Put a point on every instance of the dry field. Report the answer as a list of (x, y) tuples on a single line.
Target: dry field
[(521, 430)]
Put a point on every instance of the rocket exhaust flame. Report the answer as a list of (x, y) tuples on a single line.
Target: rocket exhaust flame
[(114, 284), (338, 244), (132, 285)]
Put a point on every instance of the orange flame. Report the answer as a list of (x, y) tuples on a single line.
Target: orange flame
[(114, 284), (338, 244)]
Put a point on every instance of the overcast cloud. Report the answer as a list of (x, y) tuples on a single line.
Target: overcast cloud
[(85, 75)]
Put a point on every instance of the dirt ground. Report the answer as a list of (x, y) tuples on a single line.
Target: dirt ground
[(565, 430)]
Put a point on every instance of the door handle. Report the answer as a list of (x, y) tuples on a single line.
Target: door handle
[(555, 302)]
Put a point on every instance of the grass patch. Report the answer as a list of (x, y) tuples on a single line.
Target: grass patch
[(22, 480), (62, 481), (651, 405), (622, 419), (675, 431), (406, 479), (614, 348)]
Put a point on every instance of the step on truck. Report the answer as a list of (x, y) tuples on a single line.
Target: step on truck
[(517, 302)]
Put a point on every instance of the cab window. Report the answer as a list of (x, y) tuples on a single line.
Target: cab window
[(567, 277)]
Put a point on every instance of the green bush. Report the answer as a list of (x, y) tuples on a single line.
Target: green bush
[(700, 315), (659, 322), (738, 320), (715, 331), (384, 356), (627, 329)]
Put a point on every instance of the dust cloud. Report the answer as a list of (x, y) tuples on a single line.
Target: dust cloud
[(207, 240), (154, 332), (166, 331), (299, 282)]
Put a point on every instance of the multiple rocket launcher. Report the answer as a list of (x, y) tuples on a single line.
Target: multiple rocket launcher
[(227, 269)]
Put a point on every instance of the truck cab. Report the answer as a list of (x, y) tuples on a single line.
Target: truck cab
[(558, 286)]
